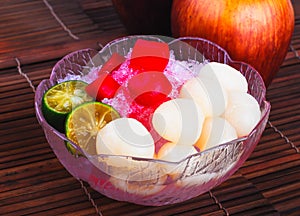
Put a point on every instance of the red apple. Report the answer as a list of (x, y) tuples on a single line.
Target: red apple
[(257, 32)]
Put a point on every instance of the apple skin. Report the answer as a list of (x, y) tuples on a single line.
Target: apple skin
[(145, 16), (257, 32)]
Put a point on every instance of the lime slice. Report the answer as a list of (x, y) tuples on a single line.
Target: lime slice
[(84, 122), (61, 99)]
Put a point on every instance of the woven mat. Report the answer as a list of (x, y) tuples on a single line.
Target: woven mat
[(34, 35)]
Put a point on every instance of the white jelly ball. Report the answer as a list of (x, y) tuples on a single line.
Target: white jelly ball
[(179, 121), (242, 112), (125, 136), (216, 131), (230, 78), (174, 152), (207, 93)]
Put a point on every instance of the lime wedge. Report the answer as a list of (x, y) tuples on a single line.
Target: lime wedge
[(61, 99), (84, 122)]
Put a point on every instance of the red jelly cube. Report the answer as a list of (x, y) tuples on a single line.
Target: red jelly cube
[(152, 98), (149, 56), (149, 88), (112, 64), (103, 87), (142, 114)]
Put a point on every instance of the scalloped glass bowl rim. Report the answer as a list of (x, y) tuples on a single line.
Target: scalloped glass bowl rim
[(81, 151)]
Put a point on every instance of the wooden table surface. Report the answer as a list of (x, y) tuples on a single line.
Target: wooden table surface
[(34, 35)]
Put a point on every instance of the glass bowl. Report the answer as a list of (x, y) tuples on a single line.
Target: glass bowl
[(149, 181)]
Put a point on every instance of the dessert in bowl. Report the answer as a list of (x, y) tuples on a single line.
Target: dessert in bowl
[(151, 150)]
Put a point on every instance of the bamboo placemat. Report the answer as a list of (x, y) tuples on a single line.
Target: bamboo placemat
[(34, 35)]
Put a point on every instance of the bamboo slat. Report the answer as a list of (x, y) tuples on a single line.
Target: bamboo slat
[(33, 182)]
